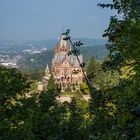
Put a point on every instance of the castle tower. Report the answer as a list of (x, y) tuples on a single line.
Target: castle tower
[(63, 66), (46, 77)]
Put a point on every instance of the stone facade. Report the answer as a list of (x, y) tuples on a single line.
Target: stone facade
[(65, 69)]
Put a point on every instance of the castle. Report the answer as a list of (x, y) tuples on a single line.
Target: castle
[(65, 68)]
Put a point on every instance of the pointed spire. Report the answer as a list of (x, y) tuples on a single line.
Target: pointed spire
[(47, 71), (63, 43)]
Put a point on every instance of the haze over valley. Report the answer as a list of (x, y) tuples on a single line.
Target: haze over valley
[(37, 54)]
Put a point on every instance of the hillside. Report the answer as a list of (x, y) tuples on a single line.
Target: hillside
[(98, 51), (39, 61), (36, 61)]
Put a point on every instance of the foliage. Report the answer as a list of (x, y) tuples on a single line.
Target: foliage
[(115, 109), (74, 125), (51, 84), (34, 74), (12, 83), (91, 69), (40, 116), (94, 72), (71, 94), (123, 43), (84, 88)]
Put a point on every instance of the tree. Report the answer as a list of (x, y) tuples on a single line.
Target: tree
[(123, 43), (12, 85), (51, 85), (116, 110), (92, 69), (46, 119), (75, 119), (100, 110)]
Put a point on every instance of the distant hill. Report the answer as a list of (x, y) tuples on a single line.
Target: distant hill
[(98, 51), (92, 41), (39, 61), (36, 61)]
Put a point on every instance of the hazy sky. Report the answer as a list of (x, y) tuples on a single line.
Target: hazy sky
[(46, 19)]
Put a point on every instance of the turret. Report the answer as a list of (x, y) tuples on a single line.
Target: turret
[(47, 71), (62, 46)]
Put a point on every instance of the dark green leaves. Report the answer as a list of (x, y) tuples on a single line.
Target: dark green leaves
[(76, 52), (78, 44)]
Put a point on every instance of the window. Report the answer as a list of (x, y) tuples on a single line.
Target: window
[(68, 78), (62, 78)]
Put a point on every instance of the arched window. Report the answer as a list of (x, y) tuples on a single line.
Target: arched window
[(68, 78), (62, 78)]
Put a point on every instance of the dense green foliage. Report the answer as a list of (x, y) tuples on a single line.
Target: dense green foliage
[(40, 116), (123, 43), (12, 83), (92, 69), (99, 77)]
